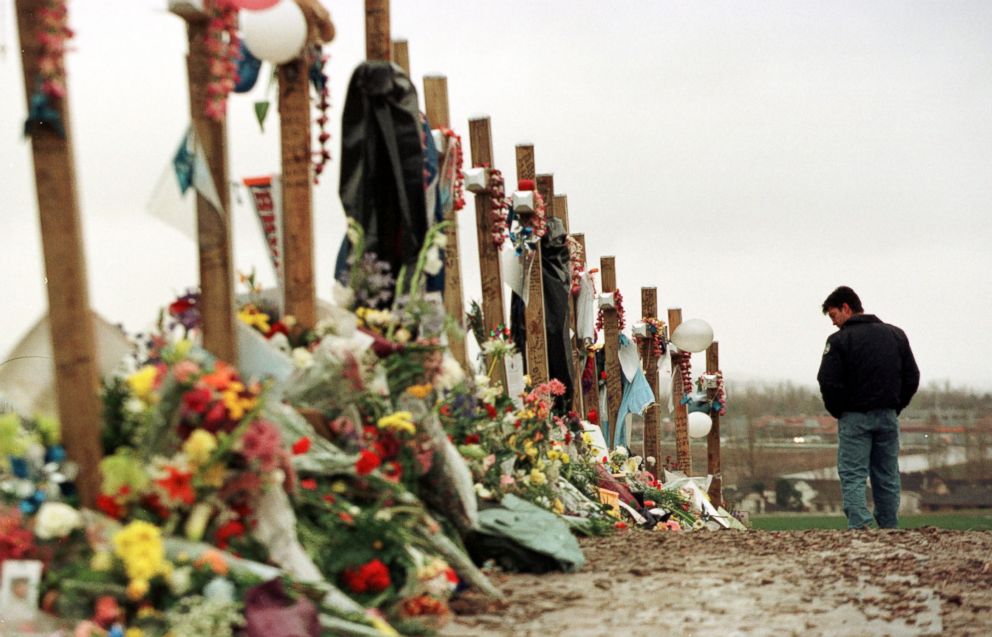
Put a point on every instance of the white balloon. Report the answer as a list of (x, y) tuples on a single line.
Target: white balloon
[(699, 424), (276, 35), (695, 335)]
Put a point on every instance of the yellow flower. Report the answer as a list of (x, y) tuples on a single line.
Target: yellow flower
[(182, 347), (139, 545), (530, 449), (553, 454), (587, 437), (537, 477), (564, 458), (558, 507), (420, 391), (137, 589), (142, 382), (400, 421), (101, 561), (384, 629), (251, 316), (134, 632), (235, 403), (199, 446), (339, 486)]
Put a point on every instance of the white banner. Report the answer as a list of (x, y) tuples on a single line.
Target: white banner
[(266, 199)]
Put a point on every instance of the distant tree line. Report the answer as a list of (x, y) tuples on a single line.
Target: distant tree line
[(789, 399)]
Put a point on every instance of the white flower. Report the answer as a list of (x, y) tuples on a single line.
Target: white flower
[(342, 296), (483, 492), (280, 342), (179, 580), (134, 405), (433, 262), (302, 358), (56, 520), (441, 240), (451, 373), (219, 589)]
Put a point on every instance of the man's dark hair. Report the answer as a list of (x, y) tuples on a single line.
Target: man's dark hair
[(843, 295)]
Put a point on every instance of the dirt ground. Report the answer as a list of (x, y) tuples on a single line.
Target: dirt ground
[(832, 583)]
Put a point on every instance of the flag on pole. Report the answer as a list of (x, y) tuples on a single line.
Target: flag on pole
[(266, 198), (188, 168)]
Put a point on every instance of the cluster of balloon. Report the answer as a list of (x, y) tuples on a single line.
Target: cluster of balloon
[(273, 30), (695, 335)]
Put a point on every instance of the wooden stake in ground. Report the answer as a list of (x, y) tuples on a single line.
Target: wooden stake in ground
[(683, 453), (213, 225), (713, 439), (561, 212), (77, 376), (649, 362), (537, 339), (297, 194), (378, 45), (611, 336), (401, 55), (590, 399), (493, 314), (436, 102)]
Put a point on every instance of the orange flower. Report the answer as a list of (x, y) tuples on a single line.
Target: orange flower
[(222, 376), (213, 560), (178, 485)]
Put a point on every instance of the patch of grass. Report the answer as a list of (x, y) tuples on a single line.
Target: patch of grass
[(980, 520)]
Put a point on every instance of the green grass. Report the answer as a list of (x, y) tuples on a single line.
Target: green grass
[(980, 520)]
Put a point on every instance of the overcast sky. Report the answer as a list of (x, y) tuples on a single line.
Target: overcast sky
[(745, 158)]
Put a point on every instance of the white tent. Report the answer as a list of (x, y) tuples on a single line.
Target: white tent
[(27, 373)]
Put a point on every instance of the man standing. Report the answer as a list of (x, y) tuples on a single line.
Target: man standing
[(867, 377)]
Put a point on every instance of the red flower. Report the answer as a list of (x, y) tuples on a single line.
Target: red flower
[(153, 502), (445, 410), (109, 506), (225, 533), (178, 485), (593, 416), (620, 524), (367, 462), (371, 577), (277, 328), (393, 471), (345, 517), (471, 439), (491, 410), (649, 503), (602, 375), (197, 400), (309, 484), (330, 499), (301, 446)]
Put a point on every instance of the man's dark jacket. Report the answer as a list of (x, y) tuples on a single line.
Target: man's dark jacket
[(867, 364)]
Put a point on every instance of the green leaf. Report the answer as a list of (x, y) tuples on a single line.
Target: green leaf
[(261, 110)]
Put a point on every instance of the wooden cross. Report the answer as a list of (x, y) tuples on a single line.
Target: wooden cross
[(537, 345), (611, 335), (378, 45), (436, 102), (683, 452), (713, 439), (649, 362), (401, 55), (213, 225), (493, 314), (77, 376), (297, 195)]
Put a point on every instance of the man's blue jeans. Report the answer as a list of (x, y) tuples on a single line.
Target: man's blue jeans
[(869, 447)]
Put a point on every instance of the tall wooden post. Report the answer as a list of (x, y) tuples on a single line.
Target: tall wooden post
[(537, 340), (378, 45), (649, 361), (401, 55), (493, 314), (590, 398), (77, 376), (213, 226), (713, 439), (300, 295), (577, 353), (683, 453), (611, 336), (436, 102)]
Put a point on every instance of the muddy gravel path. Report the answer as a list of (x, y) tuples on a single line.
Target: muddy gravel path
[(836, 583)]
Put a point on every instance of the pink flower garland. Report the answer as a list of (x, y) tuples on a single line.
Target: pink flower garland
[(498, 206), (576, 261), (458, 189), (52, 37), (621, 319), (654, 338), (684, 362), (224, 48), (323, 155)]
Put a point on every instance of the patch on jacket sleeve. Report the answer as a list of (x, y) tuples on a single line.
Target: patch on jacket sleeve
[(826, 350)]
